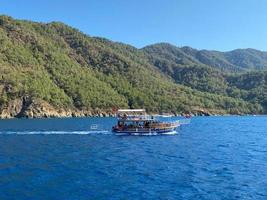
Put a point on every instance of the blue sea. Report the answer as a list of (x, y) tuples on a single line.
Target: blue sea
[(79, 158)]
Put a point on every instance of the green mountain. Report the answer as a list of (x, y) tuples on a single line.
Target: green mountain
[(185, 67), (239, 60), (55, 70)]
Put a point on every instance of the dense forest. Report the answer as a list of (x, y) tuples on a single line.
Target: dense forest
[(51, 69)]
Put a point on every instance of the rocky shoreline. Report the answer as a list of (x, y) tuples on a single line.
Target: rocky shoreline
[(28, 108), (24, 108)]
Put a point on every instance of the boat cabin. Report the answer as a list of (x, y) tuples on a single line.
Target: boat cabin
[(136, 120)]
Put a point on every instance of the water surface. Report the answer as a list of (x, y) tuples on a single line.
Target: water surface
[(211, 158)]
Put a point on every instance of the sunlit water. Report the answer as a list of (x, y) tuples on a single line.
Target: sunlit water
[(210, 158)]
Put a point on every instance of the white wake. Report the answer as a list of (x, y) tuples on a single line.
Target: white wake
[(56, 132)]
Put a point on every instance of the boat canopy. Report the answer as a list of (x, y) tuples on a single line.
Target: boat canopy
[(131, 112), (132, 115)]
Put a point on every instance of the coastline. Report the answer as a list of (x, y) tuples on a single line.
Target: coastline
[(24, 108), (102, 114)]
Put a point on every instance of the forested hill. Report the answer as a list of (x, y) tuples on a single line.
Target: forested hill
[(239, 60), (217, 73), (55, 70)]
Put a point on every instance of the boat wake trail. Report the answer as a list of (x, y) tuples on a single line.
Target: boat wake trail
[(56, 132), (90, 132)]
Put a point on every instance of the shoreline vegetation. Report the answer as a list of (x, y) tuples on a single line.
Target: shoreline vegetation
[(54, 70)]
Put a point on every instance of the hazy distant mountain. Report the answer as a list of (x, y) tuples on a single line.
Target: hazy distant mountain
[(55, 70)]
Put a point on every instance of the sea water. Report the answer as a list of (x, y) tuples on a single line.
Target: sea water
[(79, 158)]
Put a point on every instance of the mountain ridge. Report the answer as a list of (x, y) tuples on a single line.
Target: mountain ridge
[(52, 69), (251, 59)]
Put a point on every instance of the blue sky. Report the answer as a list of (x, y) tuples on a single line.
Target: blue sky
[(204, 24)]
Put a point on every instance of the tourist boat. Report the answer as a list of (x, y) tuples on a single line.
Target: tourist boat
[(136, 121)]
